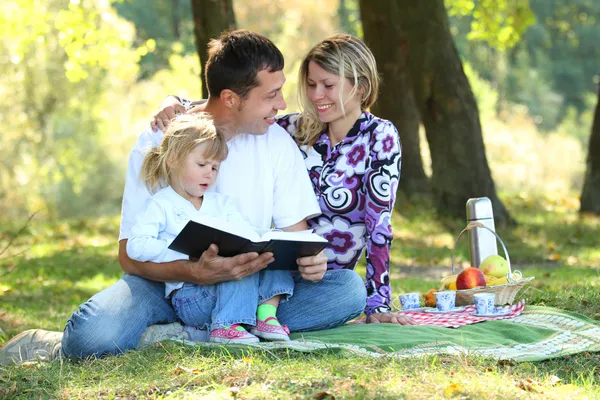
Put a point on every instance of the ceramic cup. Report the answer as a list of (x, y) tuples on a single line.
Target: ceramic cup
[(410, 301), (446, 300), (484, 303)]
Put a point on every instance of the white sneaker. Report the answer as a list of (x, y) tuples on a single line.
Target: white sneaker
[(158, 333), (31, 345)]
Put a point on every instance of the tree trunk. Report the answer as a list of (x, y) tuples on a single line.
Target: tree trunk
[(396, 100), (211, 17), (590, 195), (448, 110)]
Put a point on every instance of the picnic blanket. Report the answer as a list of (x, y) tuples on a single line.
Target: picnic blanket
[(539, 333), (456, 319)]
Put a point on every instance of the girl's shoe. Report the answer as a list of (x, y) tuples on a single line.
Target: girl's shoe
[(232, 336), (270, 332)]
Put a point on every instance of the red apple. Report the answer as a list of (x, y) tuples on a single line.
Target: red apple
[(469, 278)]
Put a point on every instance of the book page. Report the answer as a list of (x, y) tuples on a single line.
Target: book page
[(299, 236), (244, 230)]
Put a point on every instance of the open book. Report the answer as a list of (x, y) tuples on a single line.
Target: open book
[(233, 239)]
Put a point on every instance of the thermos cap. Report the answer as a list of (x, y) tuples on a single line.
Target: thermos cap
[(479, 208)]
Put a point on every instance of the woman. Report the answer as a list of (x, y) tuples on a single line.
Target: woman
[(353, 159)]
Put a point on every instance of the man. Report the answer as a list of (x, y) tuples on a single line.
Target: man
[(264, 175)]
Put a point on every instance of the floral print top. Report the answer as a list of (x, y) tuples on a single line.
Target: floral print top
[(355, 182)]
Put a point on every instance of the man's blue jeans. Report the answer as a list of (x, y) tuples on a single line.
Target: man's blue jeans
[(113, 321), (232, 302)]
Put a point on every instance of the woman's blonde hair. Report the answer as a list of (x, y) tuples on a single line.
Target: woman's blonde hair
[(184, 133), (349, 58)]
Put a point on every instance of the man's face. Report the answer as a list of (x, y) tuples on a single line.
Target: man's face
[(257, 112)]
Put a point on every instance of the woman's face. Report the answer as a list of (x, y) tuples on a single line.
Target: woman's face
[(323, 89)]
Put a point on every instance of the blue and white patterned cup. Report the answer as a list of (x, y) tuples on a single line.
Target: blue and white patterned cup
[(446, 300), (410, 301), (484, 303)]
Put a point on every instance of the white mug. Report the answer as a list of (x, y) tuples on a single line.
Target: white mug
[(484, 303)]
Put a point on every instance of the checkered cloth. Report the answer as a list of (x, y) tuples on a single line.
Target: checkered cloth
[(456, 319)]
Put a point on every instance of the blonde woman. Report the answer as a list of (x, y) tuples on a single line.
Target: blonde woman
[(353, 159), (179, 173)]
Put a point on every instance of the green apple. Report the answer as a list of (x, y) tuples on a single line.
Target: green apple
[(494, 265)]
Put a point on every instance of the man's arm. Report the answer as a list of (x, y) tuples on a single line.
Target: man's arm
[(311, 268), (209, 269)]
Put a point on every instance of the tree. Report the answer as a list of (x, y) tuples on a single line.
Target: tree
[(445, 103), (211, 17), (590, 195), (396, 101)]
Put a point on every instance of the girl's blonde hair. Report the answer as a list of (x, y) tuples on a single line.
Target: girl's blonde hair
[(349, 58), (184, 133)]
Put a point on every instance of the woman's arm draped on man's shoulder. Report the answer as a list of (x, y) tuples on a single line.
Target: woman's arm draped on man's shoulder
[(380, 183)]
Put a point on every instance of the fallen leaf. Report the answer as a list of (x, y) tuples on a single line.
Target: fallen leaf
[(324, 396), (180, 370), (553, 380), (554, 257), (453, 389), (529, 385)]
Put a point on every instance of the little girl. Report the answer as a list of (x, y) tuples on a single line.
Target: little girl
[(178, 173)]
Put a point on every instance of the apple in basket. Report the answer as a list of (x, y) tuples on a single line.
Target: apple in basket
[(469, 278), (495, 266)]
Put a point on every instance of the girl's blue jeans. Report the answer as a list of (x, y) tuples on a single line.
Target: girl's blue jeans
[(228, 303), (113, 321)]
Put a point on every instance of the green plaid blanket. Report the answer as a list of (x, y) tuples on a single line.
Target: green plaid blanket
[(538, 334)]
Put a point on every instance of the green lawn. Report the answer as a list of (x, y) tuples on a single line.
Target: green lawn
[(50, 269)]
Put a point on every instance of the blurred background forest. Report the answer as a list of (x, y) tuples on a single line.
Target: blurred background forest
[(81, 79)]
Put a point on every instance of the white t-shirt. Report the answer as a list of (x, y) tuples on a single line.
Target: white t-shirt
[(263, 175), (165, 215)]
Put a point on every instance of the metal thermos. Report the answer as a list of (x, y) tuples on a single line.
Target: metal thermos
[(483, 242)]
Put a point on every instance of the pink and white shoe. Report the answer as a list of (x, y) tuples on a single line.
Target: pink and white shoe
[(232, 336), (270, 332)]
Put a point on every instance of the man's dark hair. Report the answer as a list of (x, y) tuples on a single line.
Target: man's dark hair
[(235, 58)]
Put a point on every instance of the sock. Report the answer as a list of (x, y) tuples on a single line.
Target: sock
[(237, 328), (265, 311)]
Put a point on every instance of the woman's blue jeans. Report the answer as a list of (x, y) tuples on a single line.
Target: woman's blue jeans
[(232, 302), (113, 321)]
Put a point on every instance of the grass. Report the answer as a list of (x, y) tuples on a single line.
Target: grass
[(51, 268)]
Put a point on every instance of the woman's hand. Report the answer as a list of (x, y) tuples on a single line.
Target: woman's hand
[(390, 318), (313, 268), (168, 109)]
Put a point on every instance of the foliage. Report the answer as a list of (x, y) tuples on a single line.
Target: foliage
[(500, 23), (56, 55), (168, 24)]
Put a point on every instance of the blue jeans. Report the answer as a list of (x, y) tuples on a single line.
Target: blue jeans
[(113, 321), (228, 303)]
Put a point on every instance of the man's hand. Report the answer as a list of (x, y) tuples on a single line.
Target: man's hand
[(313, 268), (168, 109), (212, 268), (390, 318)]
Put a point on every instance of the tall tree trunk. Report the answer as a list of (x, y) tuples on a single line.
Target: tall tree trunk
[(590, 195), (176, 19), (448, 110), (211, 17), (396, 100)]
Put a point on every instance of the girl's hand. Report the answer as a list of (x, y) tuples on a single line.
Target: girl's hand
[(390, 318), (312, 268), (168, 109)]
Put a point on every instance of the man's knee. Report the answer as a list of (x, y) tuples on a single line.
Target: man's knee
[(112, 321), (352, 293)]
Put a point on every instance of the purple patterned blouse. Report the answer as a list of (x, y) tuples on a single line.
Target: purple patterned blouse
[(355, 182)]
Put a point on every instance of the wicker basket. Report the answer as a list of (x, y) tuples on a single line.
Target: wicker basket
[(505, 294)]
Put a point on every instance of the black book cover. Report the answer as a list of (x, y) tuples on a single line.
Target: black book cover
[(195, 238)]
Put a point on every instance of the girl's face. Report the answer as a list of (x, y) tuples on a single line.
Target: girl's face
[(324, 92), (195, 174)]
